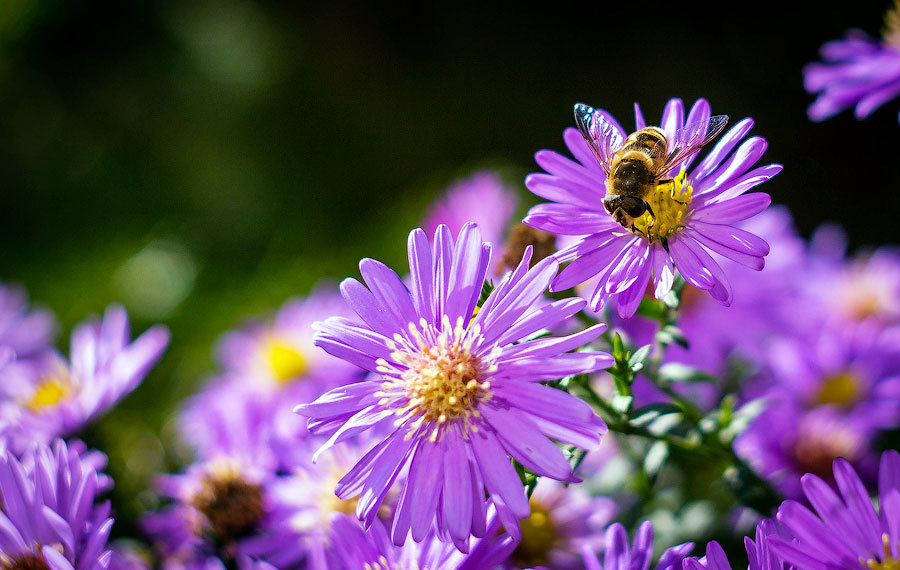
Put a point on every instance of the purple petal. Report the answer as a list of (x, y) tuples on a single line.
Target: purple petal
[(500, 478), (733, 210), (389, 290), (527, 446)]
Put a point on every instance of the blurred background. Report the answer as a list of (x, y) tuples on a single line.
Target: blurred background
[(203, 161)]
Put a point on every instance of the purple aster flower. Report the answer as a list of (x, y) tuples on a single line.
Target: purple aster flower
[(483, 199), (865, 287), (279, 355), (25, 330), (223, 510), (562, 520), (460, 388), (843, 530), (787, 440), (51, 397), (858, 71), (618, 554), (49, 519), (692, 214), (353, 548), (760, 554)]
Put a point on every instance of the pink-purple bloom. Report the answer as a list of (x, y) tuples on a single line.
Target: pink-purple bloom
[(25, 330), (638, 555), (843, 529), (47, 397), (481, 198), (694, 215), (49, 518), (857, 71), (459, 390)]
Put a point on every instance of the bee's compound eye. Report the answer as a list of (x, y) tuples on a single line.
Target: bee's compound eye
[(634, 207)]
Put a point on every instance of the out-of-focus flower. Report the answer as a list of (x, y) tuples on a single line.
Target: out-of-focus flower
[(618, 554), (693, 214), (865, 287), (353, 548), (787, 440), (483, 199), (460, 388), (858, 71), (843, 531), (49, 518), (50, 397), (562, 520), (279, 355), (25, 330), (760, 554), (225, 509)]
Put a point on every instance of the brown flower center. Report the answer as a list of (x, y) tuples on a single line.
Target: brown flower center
[(891, 30), (521, 236), (232, 506)]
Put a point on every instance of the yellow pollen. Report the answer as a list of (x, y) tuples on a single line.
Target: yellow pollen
[(888, 562), (51, 391), (285, 361), (841, 389), (669, 202), (438, 376)]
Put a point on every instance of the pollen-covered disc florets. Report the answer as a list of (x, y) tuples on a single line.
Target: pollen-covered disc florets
[(440, 377), (668, 202)]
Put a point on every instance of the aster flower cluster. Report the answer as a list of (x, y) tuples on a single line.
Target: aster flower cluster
[(652, 357)]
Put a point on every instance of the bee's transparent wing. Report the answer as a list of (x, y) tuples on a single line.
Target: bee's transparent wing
[(603, 137), (689, 139)]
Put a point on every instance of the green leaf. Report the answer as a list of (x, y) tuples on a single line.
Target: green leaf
[(486, 289), (656, 458), (645, 415), (621, 403), (678, 372), (670, 334), (636, 362)]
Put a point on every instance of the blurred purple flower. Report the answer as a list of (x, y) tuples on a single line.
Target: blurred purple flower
[(481, 198), (460, 390), (562, 520), (864, 287), (279, 355), (353, 548), (693, 214), (843, 531), (618, 554), (787, 440), (223, 510), (48, 517), (858, 71), (50, 397), (25, 330)]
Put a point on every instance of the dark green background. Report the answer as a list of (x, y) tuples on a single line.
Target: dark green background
[(270, 145)]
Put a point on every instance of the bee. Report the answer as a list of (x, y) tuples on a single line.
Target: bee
[(637, 164)]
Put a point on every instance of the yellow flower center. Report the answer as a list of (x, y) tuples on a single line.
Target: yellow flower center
[(438, 377), (538, 538), (669, 202), (51, 391), (887, 562), (285, 361), (841, 389)]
